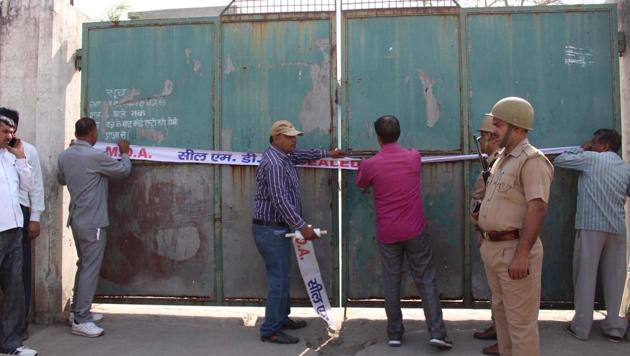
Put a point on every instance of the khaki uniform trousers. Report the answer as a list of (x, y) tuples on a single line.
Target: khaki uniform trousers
[(515, 303)]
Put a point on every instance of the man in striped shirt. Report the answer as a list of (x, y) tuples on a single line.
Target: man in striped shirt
[(278, 210), (600, 240)]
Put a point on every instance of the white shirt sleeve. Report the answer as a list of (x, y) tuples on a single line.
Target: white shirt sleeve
[(25, 173)]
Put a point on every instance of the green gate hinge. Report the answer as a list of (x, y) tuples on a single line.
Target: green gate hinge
[(621, 42), (78, 55)]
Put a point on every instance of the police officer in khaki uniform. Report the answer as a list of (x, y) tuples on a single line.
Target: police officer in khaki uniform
[(511, 215), (488, 145)]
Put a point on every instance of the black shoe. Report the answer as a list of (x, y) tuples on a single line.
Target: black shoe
[(294, 324), (569, 330), (280, 338), (613, 338)]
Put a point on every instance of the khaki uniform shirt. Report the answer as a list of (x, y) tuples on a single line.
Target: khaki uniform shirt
[(480, 186), (516, 177)]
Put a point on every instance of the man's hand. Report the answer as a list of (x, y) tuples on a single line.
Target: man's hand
[(587, 146), (308, 233), (18, 149), (519, 267), (337, 153), (123, 146), (33, 230)]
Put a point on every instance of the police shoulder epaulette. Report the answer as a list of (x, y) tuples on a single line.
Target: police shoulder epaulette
[(532, 152)]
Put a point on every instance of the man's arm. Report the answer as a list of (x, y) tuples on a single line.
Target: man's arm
[(113, 168), (362, 179), (36, 195), (24, 171), (575, 159), (303, 156), (534, 217), (536, 176), (61, 178)]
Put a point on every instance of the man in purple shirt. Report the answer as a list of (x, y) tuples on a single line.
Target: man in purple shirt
[(278, 210), (394, 175)]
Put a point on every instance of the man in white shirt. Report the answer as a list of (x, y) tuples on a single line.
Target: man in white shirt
[(15, 174), (32, 204)]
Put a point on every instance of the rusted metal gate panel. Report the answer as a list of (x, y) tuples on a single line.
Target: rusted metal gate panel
[(153, 82), (275, 67), (161, 241), (564, 61), (405, 63)]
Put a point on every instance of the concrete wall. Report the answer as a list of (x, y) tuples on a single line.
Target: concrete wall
[(176, 13), (38, 40), (623, 21)]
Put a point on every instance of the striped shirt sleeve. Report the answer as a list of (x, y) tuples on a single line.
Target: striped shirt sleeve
[(303, 156), (575, 159)]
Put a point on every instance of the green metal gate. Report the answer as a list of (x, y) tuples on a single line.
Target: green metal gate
[(182, 232), (439, 71)]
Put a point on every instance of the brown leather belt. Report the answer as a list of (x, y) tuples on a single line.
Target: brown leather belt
[(500, 235)]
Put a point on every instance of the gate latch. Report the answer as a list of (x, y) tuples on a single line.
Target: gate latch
[(78, 55)]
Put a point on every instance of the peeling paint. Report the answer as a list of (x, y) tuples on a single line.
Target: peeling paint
[(149, 133), (315, 110), (167, 88), (578, 56), (324, 46), (433, 106), (177, 244), (229, 66), (187, 52), (197, 66)]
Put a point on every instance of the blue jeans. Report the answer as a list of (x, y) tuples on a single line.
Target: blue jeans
[(275, 250)]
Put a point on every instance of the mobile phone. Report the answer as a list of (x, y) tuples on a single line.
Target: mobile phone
[(12, 142)]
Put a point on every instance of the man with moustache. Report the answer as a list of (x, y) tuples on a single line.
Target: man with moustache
[(510, 218), (15, 175), (278, 210), (490, 147)]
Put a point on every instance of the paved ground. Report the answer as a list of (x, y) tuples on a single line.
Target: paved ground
[(175, 330)]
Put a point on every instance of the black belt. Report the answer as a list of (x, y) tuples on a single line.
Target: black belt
[(500, 235), (269, 223)]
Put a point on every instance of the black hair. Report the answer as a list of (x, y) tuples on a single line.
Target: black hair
[(6, 121), (387, 128), (608, 137), (11, 114), (83, 126)]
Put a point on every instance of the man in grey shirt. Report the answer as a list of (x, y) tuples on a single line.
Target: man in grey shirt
[(85, 170)]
